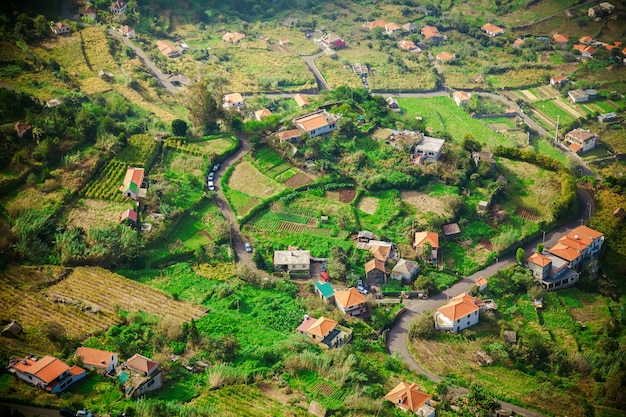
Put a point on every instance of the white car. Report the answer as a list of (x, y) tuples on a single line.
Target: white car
[(248, 247), (83, 413), (211, 186), (211, 176)]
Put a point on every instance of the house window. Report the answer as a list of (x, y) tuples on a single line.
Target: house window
[(468, 323), (151, 382), (458, 321)]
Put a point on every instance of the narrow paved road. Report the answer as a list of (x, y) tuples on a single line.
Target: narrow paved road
[(397, 337), (221, 202), (309, 60), (512, 105), (162, 78)]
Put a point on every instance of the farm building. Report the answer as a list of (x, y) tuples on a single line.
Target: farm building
[(408, 45), (482, 283), (127, 31), (134, 186), (408, 398), (325, 332), (561, 79), (391, 28), (291, 136), (293, 261), (405, 271), (486, 157), (167, 48), (423, 238), (139, 375), (410, 27), (233, 100), (578, 96), (581, 140), (325, 290), (12, 330), (365, 236), (233, 37), (60, 28), (351, 302), (560, 39), (492, 30), (460, 313), (607, 117), (375, 272), (461, 98), (97, 359), (316, 124), (47, 373), (129, 217), (382, 251), (301, 100), (451, 230), (428, 149)]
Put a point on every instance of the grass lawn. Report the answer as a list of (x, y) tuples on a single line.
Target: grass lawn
[(542, 146), (444, 116), (549, 109)]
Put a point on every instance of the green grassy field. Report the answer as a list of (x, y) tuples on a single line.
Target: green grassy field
[(444, 116), (552, 112)]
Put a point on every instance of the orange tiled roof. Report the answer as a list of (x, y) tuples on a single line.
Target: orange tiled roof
[(539, 259), (559, 79), (586, 231), (423, 237), (431, 32), (350, 298), (391, 27), (492, 28), (586, 39), (260, 114), (461, 95), (94, 357), (314, 121), (564, 252), (233, 98), (518, 42), (373, 264), (482, 281), (376, 24), (407, 396), (560, 38), (579, 47), (141, 363), (380, 252), (444, 56), (575, 147), (47, 368), (134, 175), (460, 306), (406, 44), (301, 100), (321, 327)]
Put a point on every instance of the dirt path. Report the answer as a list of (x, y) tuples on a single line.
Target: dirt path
[(397, 337), (568, 109)]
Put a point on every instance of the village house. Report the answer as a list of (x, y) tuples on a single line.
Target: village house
[(365, 236), (428, 149), (492, 30), (383, 251), (233, 100), (48, 373), (261, 114), (325, 332), (379, 23), (325, 291), (482, 283), (88, 12), (460, 313), (293, 261), (168, 49), (461, 98), (118, 7), (134, 185), (408, 45), (291, 136), (586, 51), (129, 217), (445, 56), (410, 27), (607, 117), (405, 271), (351, 302), (587, 40), (375, 272), (331, 40), (431, 33), (392, 103), (301, 100), (556, 267), (127, 31), (391, 28), (97, 359), (485, 157), (581, 140), (60, 28), (408, 397), (578, 96), (233, 37), (518, 42), (423, 238), (560, 80), (139, 375), (316, 124), (560, 39)]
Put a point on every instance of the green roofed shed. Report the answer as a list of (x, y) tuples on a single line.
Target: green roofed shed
[(324, 289)]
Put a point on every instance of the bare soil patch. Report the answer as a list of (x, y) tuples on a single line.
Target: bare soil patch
[(486, 243), (345, 195), (368, 205), (298, 180), (424, 202), (527, 214)]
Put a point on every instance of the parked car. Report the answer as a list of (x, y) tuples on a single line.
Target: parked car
[(324, 276), (211, 175), (211, 186), (83, 413), (248, 247), (323, 267), (215, 167), (67, 412), (360, 288)]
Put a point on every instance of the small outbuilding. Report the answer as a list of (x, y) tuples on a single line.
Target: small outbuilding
[(12, 330), (451, 230)]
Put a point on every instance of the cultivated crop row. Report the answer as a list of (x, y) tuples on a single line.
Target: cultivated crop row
[(106, 186), (191, 148), (302, 228)]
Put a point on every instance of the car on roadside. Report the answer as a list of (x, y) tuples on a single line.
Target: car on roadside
[(324, 276), (211, 176), (211, 186), (215, 167), (360, 288), (248, 247), (84, 413)]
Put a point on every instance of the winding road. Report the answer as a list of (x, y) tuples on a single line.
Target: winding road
[(397, 338)]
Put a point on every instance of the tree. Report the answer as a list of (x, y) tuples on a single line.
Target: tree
[(535, 291), (204, 102), (470, 144), (422, 327), (540, 247), (481, 403), (426, 251), (336, 264), (519, 255), (259, 260), (179, 127)]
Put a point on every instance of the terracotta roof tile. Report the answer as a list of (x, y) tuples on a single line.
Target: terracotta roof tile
[(350, 298)]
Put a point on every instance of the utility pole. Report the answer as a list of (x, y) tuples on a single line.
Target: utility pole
[(556, 131)]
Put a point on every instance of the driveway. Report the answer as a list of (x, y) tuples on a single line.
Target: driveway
[(397, 336)]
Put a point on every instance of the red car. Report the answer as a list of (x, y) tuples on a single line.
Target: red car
[(324, 276)]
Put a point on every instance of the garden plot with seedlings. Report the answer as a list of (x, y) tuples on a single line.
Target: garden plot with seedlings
[(207, 147)]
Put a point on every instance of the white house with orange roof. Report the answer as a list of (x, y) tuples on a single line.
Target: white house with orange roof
[(581, 140), (351, 302), (408, 397), (316, 124), (139, 375), (233, 100), (301, 100), (461, 98), (325, 332), (432, 238), (492, 30), (460, 313), (391, 28), (133, 186), (48, 373), (262, 114), (482, 283), (97, 359)]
